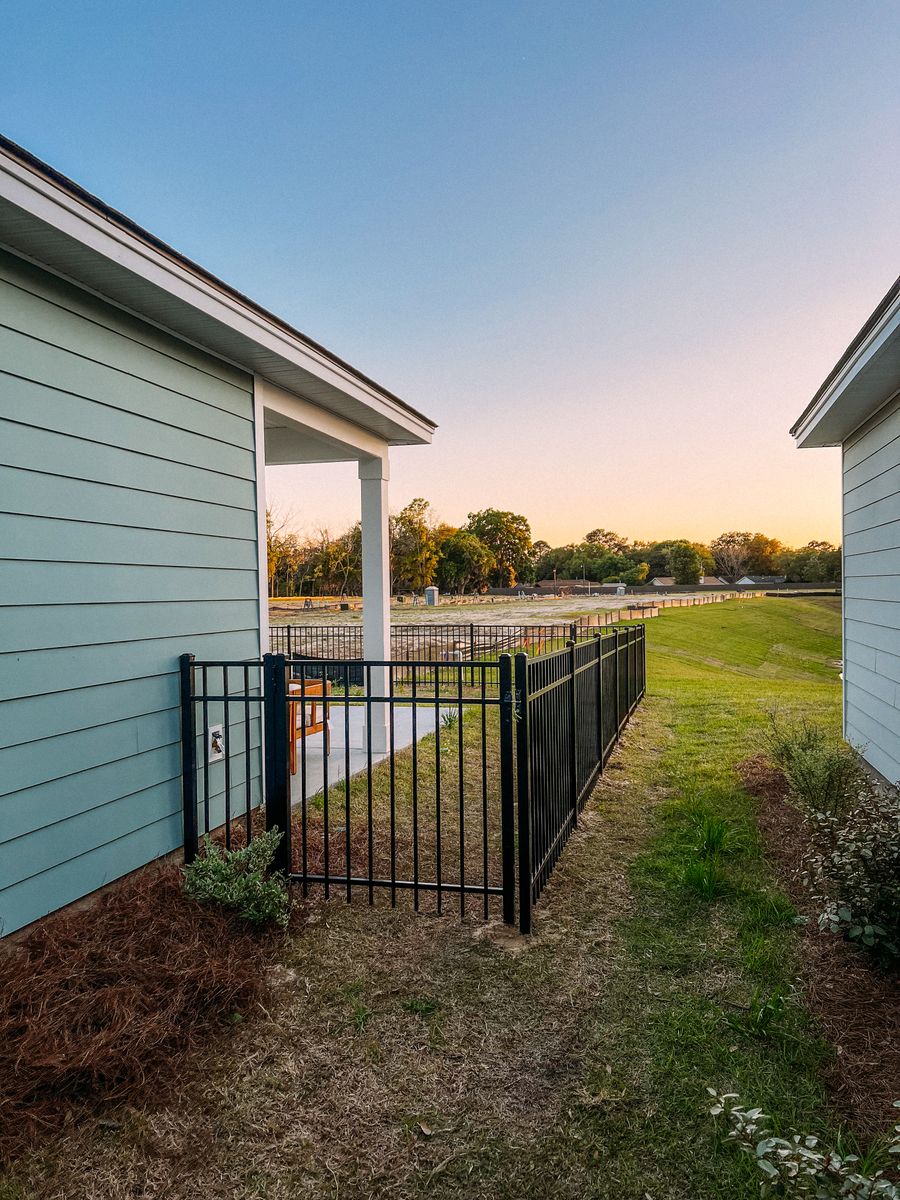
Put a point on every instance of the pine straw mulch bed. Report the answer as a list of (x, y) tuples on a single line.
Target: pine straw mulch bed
[(100, 1004), (104, 1004), (857, 1005)]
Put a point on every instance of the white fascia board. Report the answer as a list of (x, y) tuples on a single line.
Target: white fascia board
[(850, 400), (42, 199)]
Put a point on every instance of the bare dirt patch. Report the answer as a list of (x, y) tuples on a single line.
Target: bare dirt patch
[(857, 1005)]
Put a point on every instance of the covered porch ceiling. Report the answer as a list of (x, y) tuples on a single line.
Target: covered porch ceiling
[(289, 443), (297, 431)]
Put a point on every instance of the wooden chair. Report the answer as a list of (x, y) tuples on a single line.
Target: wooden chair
[(306, 716)]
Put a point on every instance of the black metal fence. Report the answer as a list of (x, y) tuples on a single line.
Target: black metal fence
[(433, 642), (573, 705), (455, 783)]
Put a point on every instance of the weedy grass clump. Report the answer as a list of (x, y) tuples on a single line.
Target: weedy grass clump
[(238, 880), (706, 879), (764, 1017), (715, 836)]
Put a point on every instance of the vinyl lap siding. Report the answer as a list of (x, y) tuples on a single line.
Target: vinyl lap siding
[(871, 471), (128, 535)]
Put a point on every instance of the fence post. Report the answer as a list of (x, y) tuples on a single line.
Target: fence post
[(188, 757), (524, 799), (289, 651), (472, 652), (507, 789), (573, 635), (573, 738), (276, 751), (600, 746), (616, 685), (643, 661)]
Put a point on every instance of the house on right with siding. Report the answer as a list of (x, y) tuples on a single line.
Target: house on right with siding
[(858, 408)]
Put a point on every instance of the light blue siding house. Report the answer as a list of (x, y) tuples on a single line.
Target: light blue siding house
[(858, 408), (140, 399)]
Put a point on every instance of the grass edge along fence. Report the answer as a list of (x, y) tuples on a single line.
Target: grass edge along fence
[(456, 784)]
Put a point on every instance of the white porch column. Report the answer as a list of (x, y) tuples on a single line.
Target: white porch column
[(374, 473)]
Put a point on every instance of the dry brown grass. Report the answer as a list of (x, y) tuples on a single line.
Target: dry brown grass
[(396, 1053)]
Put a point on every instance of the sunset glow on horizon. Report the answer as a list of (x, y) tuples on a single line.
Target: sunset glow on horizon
[(613, 250)]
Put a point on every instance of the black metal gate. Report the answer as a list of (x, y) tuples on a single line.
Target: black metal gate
[(451, 783)]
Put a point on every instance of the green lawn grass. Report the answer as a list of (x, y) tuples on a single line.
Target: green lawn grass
[(698, 971)]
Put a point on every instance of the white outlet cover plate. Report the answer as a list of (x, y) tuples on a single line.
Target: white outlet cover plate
[(215, 743)]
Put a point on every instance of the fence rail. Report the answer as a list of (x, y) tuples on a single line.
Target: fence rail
[(453, 782), (422, 642)]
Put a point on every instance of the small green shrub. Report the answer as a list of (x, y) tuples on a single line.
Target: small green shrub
[(855, 869), (799, 1166), (237, 880), (853, 865), (705, 878), (823, 772)]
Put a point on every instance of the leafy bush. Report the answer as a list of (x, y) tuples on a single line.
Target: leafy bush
[(855, 870), (237, 880), (853, 867), (799, 1166), (823, 772)]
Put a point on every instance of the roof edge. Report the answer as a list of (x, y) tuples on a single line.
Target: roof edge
[(127, 225), (885, 306)]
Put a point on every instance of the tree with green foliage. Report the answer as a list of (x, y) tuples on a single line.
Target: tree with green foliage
[(684, 563), (508, 537), (763, 553), (816, 562), (465, 563), (731, 552), (607, 540), (637, 575), (414, 551)]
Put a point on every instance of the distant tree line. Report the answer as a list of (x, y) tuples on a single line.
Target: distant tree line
[(494, 548)]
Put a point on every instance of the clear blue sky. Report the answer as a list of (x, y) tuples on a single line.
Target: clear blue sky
[(612, 248)]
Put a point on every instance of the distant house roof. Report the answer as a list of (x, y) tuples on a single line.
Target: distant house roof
[(663, 580), (762, 579), (711, 581)]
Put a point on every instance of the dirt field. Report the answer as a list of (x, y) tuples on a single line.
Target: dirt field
[(497, 610)]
